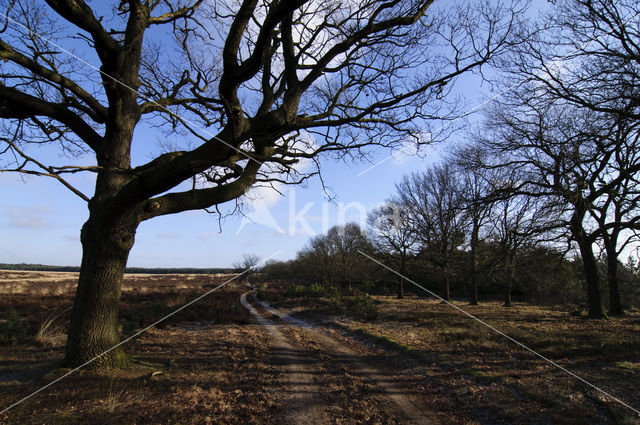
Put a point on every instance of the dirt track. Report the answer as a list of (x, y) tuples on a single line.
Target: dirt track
[(325, 377), (297, 380)]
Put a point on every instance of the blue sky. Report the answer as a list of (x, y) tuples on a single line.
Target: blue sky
[(40, 220)]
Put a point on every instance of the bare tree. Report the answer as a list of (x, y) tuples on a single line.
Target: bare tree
[(435, 204), (316, 258), (517, 220), (247, 265), (248, 261), (617, 213), (345, 242), (564, 155), (393, 233), (586, 52), (250, 89), (476, 186)]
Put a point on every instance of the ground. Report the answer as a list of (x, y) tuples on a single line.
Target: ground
[(401, 361)]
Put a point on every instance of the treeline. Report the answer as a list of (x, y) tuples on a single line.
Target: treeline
[(534, 273), (542, 199), (131, 270)]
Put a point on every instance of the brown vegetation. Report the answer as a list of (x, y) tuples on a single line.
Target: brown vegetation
[(212, 364), (485, 378)]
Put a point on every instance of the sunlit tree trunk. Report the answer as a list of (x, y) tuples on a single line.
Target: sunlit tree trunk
[(94, 319)]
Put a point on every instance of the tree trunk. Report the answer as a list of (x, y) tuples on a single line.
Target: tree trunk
[(446, 295), (615, 303), (108, 235), (401, 288), (511, 276), (474, 278), (401, 282), (94, 319), (594, 302), (472, 259), (507, 295), (474, 290)]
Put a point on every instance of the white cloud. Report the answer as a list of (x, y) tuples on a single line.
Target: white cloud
[(259, 213), (167, 235), (208, 235), (28, 217)]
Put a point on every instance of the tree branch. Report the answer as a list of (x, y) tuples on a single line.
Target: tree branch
[(201, 198), (18, 105)]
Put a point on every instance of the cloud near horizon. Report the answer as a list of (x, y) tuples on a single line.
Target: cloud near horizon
[(32, 217)]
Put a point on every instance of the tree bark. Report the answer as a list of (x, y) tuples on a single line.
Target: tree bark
[(507, 295), (594, 302), (401, 282), (615, 302), (511, 272), (446, 294), (472, 259), (93, 329), (474, 278), (585, 244)]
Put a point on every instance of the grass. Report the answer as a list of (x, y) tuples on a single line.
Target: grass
[(210, 364), (197, 353), (51, 332), (633, 366), (356, 303), (13, 329), (113, 399), (491, 375), (485, 375)]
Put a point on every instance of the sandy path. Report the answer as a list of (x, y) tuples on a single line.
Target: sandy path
[(394, 391), (406, 407), (306, 405), (399, 404)]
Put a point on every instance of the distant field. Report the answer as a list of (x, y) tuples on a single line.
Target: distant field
[(58, 283)]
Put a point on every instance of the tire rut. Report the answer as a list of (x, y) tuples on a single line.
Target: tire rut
[(401, 405), (305, 404)]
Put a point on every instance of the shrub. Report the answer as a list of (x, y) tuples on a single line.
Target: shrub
[(364, 307), (317, 290), (12, 329), (143, 316), (335, 299), (127, 327), (296, 290)]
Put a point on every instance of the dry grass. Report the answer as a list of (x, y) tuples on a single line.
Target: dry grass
[(13, 282), (52, 332), (216, 374), (216, 367), (198, 353), (489, 377), (113, 399)]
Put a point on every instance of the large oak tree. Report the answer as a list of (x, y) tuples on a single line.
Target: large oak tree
[(577, 162), (433, 199), (243, 90)]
